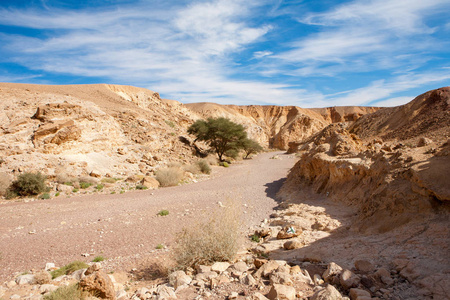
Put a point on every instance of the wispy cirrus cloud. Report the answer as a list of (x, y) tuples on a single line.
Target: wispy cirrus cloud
[(236, 51)]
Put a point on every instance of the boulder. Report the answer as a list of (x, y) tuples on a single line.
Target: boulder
[(240, 266), (266, 269), (98, 284), (348, 279), (358, 293), (294, 244), (25, 279), (220, 266), (423, 141), (165, 292), (179, 278), (202, 269), (364, 266), (288, 232), (247, 280), (46, 288), (150, 182), (328, 293), (281, 292), (332, 271)]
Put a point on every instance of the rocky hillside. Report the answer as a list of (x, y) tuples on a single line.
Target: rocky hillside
[(392, 166), (119, 131), (277, 126), (102, 130)]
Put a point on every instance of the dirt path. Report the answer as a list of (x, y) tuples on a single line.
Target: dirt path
[(120, 226)]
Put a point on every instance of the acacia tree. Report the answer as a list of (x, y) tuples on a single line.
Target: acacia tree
[(220, 133), (250, 147)]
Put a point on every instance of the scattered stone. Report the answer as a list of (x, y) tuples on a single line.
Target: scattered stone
[(93, 268), (98, 284), (348, 279), (15, 296), (358, 293), (281, 292), (294, 244), (333, 270), (327, 293), (165, 292), (179, 278), (79, 274), (259, 262), (259, 296), (220, 266), (50, 267), (239, 267), (280, 278), (46, 288), (233, 295), (317, 279), (10, 284), (150, 182), (288, 232), (423, 141), (264, 232), (364, 266), (266, 269), (248, 280), (25, 279)]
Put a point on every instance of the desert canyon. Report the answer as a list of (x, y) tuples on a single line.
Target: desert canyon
[(367, 190)]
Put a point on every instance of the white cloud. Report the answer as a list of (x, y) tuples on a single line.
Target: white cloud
[(393, 101), (261, 54), (379, 90)]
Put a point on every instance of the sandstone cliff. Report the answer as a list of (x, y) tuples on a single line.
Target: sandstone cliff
[(277, 126)]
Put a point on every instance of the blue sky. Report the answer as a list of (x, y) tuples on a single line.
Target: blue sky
[(291, 52)]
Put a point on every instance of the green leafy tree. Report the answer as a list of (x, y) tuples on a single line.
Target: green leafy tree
[(251, 147), (220, 133)]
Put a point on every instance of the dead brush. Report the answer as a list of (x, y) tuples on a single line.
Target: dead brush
[(216, 239), (169, 176)]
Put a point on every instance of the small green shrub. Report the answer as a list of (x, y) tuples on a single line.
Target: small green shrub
[(204, 166), (170, 123), (169, 176), (224, 164), (108, 180), (160, 246), (85, 185), (98, 259), (45, 196), (122, 191), (99, 187), (69, 269), (71, 292), (163, 212), (57, 194), (141, 187), (75, 190), (113, 192), (255, 238), (69, 183), (29, 184)]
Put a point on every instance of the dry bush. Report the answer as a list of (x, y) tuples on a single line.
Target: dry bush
[(67, 292), (62, 176), (216, 239), (211, 160), (5, 181), (194, 169), (169, 176), (204, 166), (42, 277)]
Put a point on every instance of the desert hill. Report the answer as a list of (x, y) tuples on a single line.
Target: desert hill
[(392, 166), (112, 130), (277, 126)]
